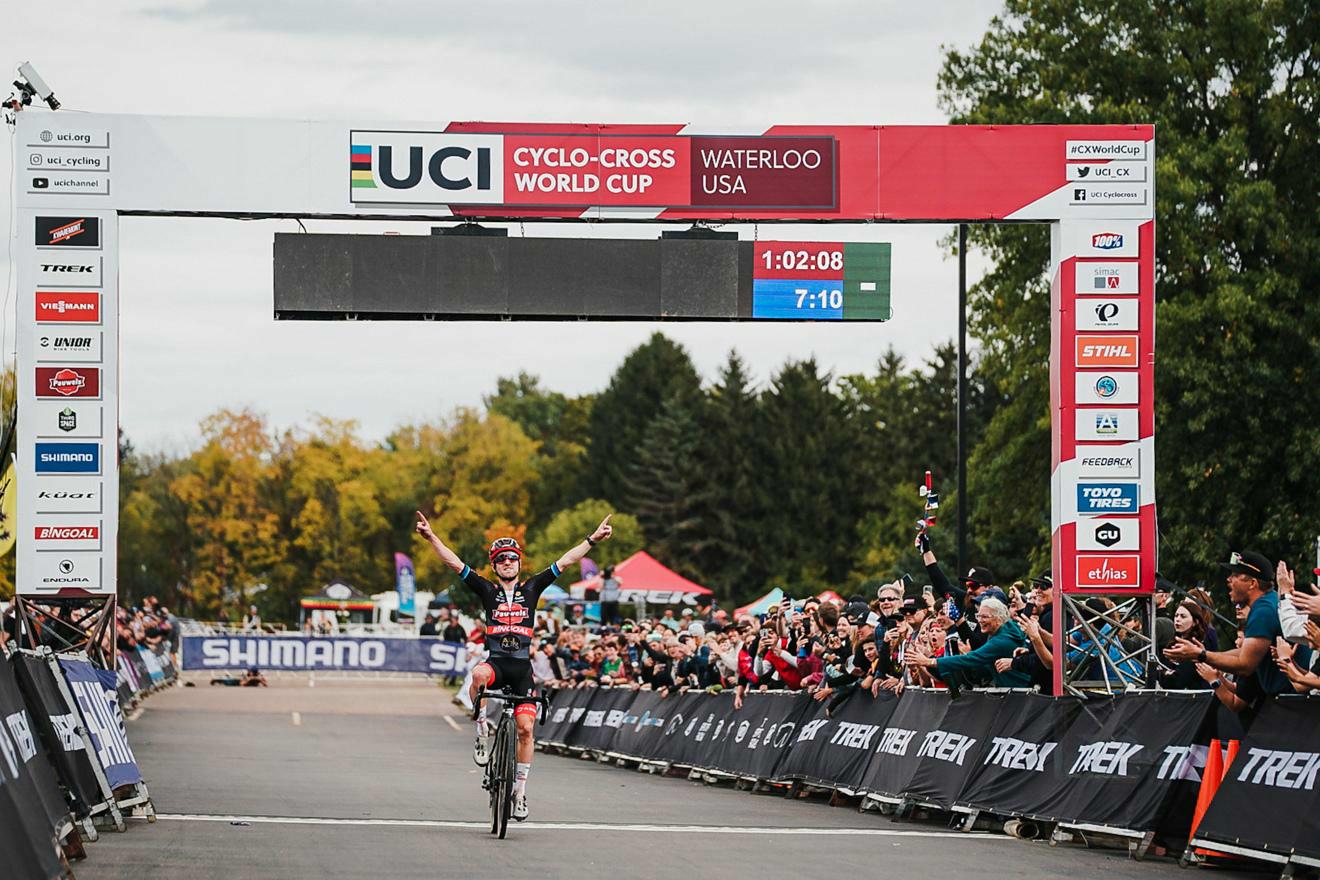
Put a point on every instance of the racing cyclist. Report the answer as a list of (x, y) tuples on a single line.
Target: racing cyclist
[(510, 609)]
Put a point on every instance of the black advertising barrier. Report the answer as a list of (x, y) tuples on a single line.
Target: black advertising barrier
[(604, 715), (1023, 768), (61, 731), (758, 736), (643, 725), (918, 712), (1270, 790), (1128, 756), (947, 755), (31, 805), (835, 750), (678, 742), (566, 710)]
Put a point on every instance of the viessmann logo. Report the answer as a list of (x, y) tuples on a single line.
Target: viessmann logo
[(426, 168), (68, 307)]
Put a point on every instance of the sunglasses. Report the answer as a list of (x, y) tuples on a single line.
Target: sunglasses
[(506, 557), (888, 598)]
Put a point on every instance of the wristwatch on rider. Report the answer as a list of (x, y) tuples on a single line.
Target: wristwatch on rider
[(591, 542)]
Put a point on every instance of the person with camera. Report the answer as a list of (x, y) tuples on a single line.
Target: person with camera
[(510, 614), (1003, 637)]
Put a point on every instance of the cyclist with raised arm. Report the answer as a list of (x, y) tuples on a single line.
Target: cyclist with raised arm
[(510, 613)]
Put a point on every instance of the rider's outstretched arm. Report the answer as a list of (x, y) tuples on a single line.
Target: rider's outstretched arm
[(573, 556), (447, 556)]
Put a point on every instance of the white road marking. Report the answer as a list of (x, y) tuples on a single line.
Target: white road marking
[(453, 723), (579, 826), (297, 719)]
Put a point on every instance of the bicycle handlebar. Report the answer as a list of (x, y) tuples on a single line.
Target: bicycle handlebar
[(542, 702)]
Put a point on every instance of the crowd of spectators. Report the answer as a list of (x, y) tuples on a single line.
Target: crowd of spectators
[(968, 632)]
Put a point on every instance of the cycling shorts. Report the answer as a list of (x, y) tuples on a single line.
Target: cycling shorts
[(512, 674)]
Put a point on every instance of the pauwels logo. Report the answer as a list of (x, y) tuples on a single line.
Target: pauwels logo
[(433, 168), (83, 232), (68, 382)]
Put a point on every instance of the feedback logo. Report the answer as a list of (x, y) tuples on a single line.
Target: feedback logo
[(68, 382), (68, 307), (1106, 350), (68, 533), (1108, 572)]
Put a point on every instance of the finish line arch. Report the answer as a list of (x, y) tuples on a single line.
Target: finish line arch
[(76, 174)]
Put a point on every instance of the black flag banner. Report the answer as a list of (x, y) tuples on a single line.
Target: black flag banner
[(61, 731), (1022, 769), (31, 806), (947, 755), (759, 735), (690, 719), (1269, 798), (642, 725), (893, 762), (835, 750)]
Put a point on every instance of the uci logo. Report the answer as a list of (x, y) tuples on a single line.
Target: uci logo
[(425, 167)]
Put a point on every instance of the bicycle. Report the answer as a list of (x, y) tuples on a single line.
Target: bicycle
[(500, 767)]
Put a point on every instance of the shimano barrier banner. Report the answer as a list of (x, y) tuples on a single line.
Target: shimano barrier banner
[(60, 729), (1274, 781), (835, 749), (301, 653), (1022, 772), (99, 705), (947, 754)]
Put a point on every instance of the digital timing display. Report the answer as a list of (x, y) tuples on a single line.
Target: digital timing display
[(821, 281)]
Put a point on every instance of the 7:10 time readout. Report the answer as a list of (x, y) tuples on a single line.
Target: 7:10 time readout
[(821, 281)]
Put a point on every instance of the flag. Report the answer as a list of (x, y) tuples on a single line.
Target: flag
[(405, 581), (8, 506)]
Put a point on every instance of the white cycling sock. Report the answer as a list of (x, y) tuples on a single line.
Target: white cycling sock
[(483, 729), (520, 774)]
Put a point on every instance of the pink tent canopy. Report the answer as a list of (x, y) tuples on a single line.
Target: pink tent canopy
[(642, 578)]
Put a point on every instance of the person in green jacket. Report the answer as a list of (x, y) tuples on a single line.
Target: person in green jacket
[(1005, 637)]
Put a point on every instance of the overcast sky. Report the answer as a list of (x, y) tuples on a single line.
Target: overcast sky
[(197, 331)]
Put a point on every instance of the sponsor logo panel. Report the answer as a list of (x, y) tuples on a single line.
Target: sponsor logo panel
[(69, 183), (68, 458), (1092, 313), (67, 160), (1101, 499), (1109, 533), (67, 495), (1106, 350), (1106, 424), (68, 570), (1108, 172), (1107, 194), (1123, 462), (1122, 151), (77, 137), (1106, 571), (68, 382), (1106, 388), (69, 344), (78, 232), (68, 419), (58, 270), (426, 168), (68, 307), (1101, 239), (1096, 278), (72, 535)]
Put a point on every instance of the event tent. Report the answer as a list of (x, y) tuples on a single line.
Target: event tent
[(761, 605), (642, 578)]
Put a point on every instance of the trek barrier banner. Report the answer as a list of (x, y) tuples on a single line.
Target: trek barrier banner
[(1273, 780), (31, 805), (60, 730), (835, 749), (947, 755), (919, 712), (309, 654), (99, 704)]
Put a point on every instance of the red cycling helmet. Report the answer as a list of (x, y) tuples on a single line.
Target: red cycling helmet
[(504, 545)]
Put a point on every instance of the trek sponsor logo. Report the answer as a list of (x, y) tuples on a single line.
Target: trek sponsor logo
[(426, 168), (1107, 278), (854, 736), (895, 741), (1106, 424), (1105, 314), (1108, 572), (1106, 350), (1101, 498), (67, 533), (1019, 754), (68, 307), (57, 271), (1113, 150), (68, 382), (943, 745), (1104, 388), (68, 232), (1279, 769), (1105, 758), (1108, 461), (68, 458), (1183, 762)]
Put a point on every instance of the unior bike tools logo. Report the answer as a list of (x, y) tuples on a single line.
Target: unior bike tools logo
[(70, 536), (1109, 533), (84, 232), (68, 382), (68, 307), (68, 458), (1104, 571), (1106, 350), (425, 168), (1099, 499)]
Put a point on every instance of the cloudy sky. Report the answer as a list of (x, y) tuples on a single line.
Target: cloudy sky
[(197, 331)]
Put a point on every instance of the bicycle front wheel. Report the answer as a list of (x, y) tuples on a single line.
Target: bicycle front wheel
[(507, 771)]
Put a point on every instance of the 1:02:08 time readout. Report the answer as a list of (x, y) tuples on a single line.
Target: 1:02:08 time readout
[(818, 261)]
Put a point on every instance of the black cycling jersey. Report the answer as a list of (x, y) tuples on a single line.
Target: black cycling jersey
[(510, 614)]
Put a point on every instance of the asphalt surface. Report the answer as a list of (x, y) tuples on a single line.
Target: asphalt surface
[(372, 780)]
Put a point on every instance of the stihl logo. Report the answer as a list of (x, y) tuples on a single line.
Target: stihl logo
[(1106, 350), (68, 533), (1106, 241)]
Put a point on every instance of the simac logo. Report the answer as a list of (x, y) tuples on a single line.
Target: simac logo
[(426, 168), (1106, 241)]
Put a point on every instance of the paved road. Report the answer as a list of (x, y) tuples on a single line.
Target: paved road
[(373, 780)]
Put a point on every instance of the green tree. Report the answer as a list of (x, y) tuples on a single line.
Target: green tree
[(569, 526), (664, 481), (1233, 88)]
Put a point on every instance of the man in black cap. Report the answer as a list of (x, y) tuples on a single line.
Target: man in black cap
[(1250, 583), (974, 582)]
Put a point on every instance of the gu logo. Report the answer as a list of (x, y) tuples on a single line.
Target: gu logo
[(426, 168)]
